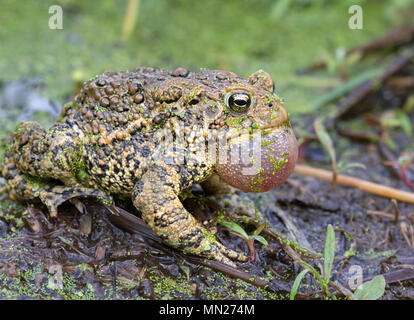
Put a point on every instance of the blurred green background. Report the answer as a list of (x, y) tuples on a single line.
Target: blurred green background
[(242, 36)]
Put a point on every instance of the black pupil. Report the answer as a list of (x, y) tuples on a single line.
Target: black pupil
[(240, 102)]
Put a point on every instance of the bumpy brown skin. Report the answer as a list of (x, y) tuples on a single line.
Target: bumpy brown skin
[(105, 143)]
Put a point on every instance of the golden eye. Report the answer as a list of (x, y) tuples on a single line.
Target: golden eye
[(239, 102)]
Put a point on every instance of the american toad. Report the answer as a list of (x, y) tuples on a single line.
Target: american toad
[(150, 134)]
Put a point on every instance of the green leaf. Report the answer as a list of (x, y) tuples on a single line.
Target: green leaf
[(341, 166), (326, 142), (351, 252), (343, 89), (66, 241), (409, 104), (372, 255), (406, 125), (296, 284), (317, 276), (370, 290), (405, 160), (397, 119), (329, 253), (186, 270), (404, 122), (234, 227), (314, 271), (259, 229), (390, 143), (260, 239)]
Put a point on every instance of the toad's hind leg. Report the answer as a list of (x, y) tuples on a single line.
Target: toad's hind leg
[(20, 186), (37, 163), (56, 153), (156, 196)]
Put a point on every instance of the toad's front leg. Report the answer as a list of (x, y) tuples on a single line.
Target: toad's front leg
[(156, 196)]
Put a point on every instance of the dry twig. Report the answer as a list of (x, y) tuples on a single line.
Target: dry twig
[(364, 185)]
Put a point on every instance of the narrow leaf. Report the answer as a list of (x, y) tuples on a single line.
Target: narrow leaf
[(260, 239), (405, 122), (315, 273), (327, 144), (329, 253), (234, 227), (66, 241), (296, 284), (343, 89), (346, 166)]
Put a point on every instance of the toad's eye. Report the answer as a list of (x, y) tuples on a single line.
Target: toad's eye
[(239, 102)]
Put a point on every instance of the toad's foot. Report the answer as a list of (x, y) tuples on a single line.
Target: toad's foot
[(54, 196), (22, 186), (165, 215)]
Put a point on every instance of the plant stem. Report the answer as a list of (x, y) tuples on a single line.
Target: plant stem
[(364, 185)]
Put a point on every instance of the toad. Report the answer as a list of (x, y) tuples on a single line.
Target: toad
[(149, 134)]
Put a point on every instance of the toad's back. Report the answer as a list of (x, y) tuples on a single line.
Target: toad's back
[(117, 115)]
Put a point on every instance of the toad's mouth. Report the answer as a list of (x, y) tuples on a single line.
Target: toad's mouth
[(263, 130), (281, 121)]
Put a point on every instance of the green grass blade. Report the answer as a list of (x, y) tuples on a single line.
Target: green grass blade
[(345, 88), (329, 253), (296, 284), (326, 142)]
